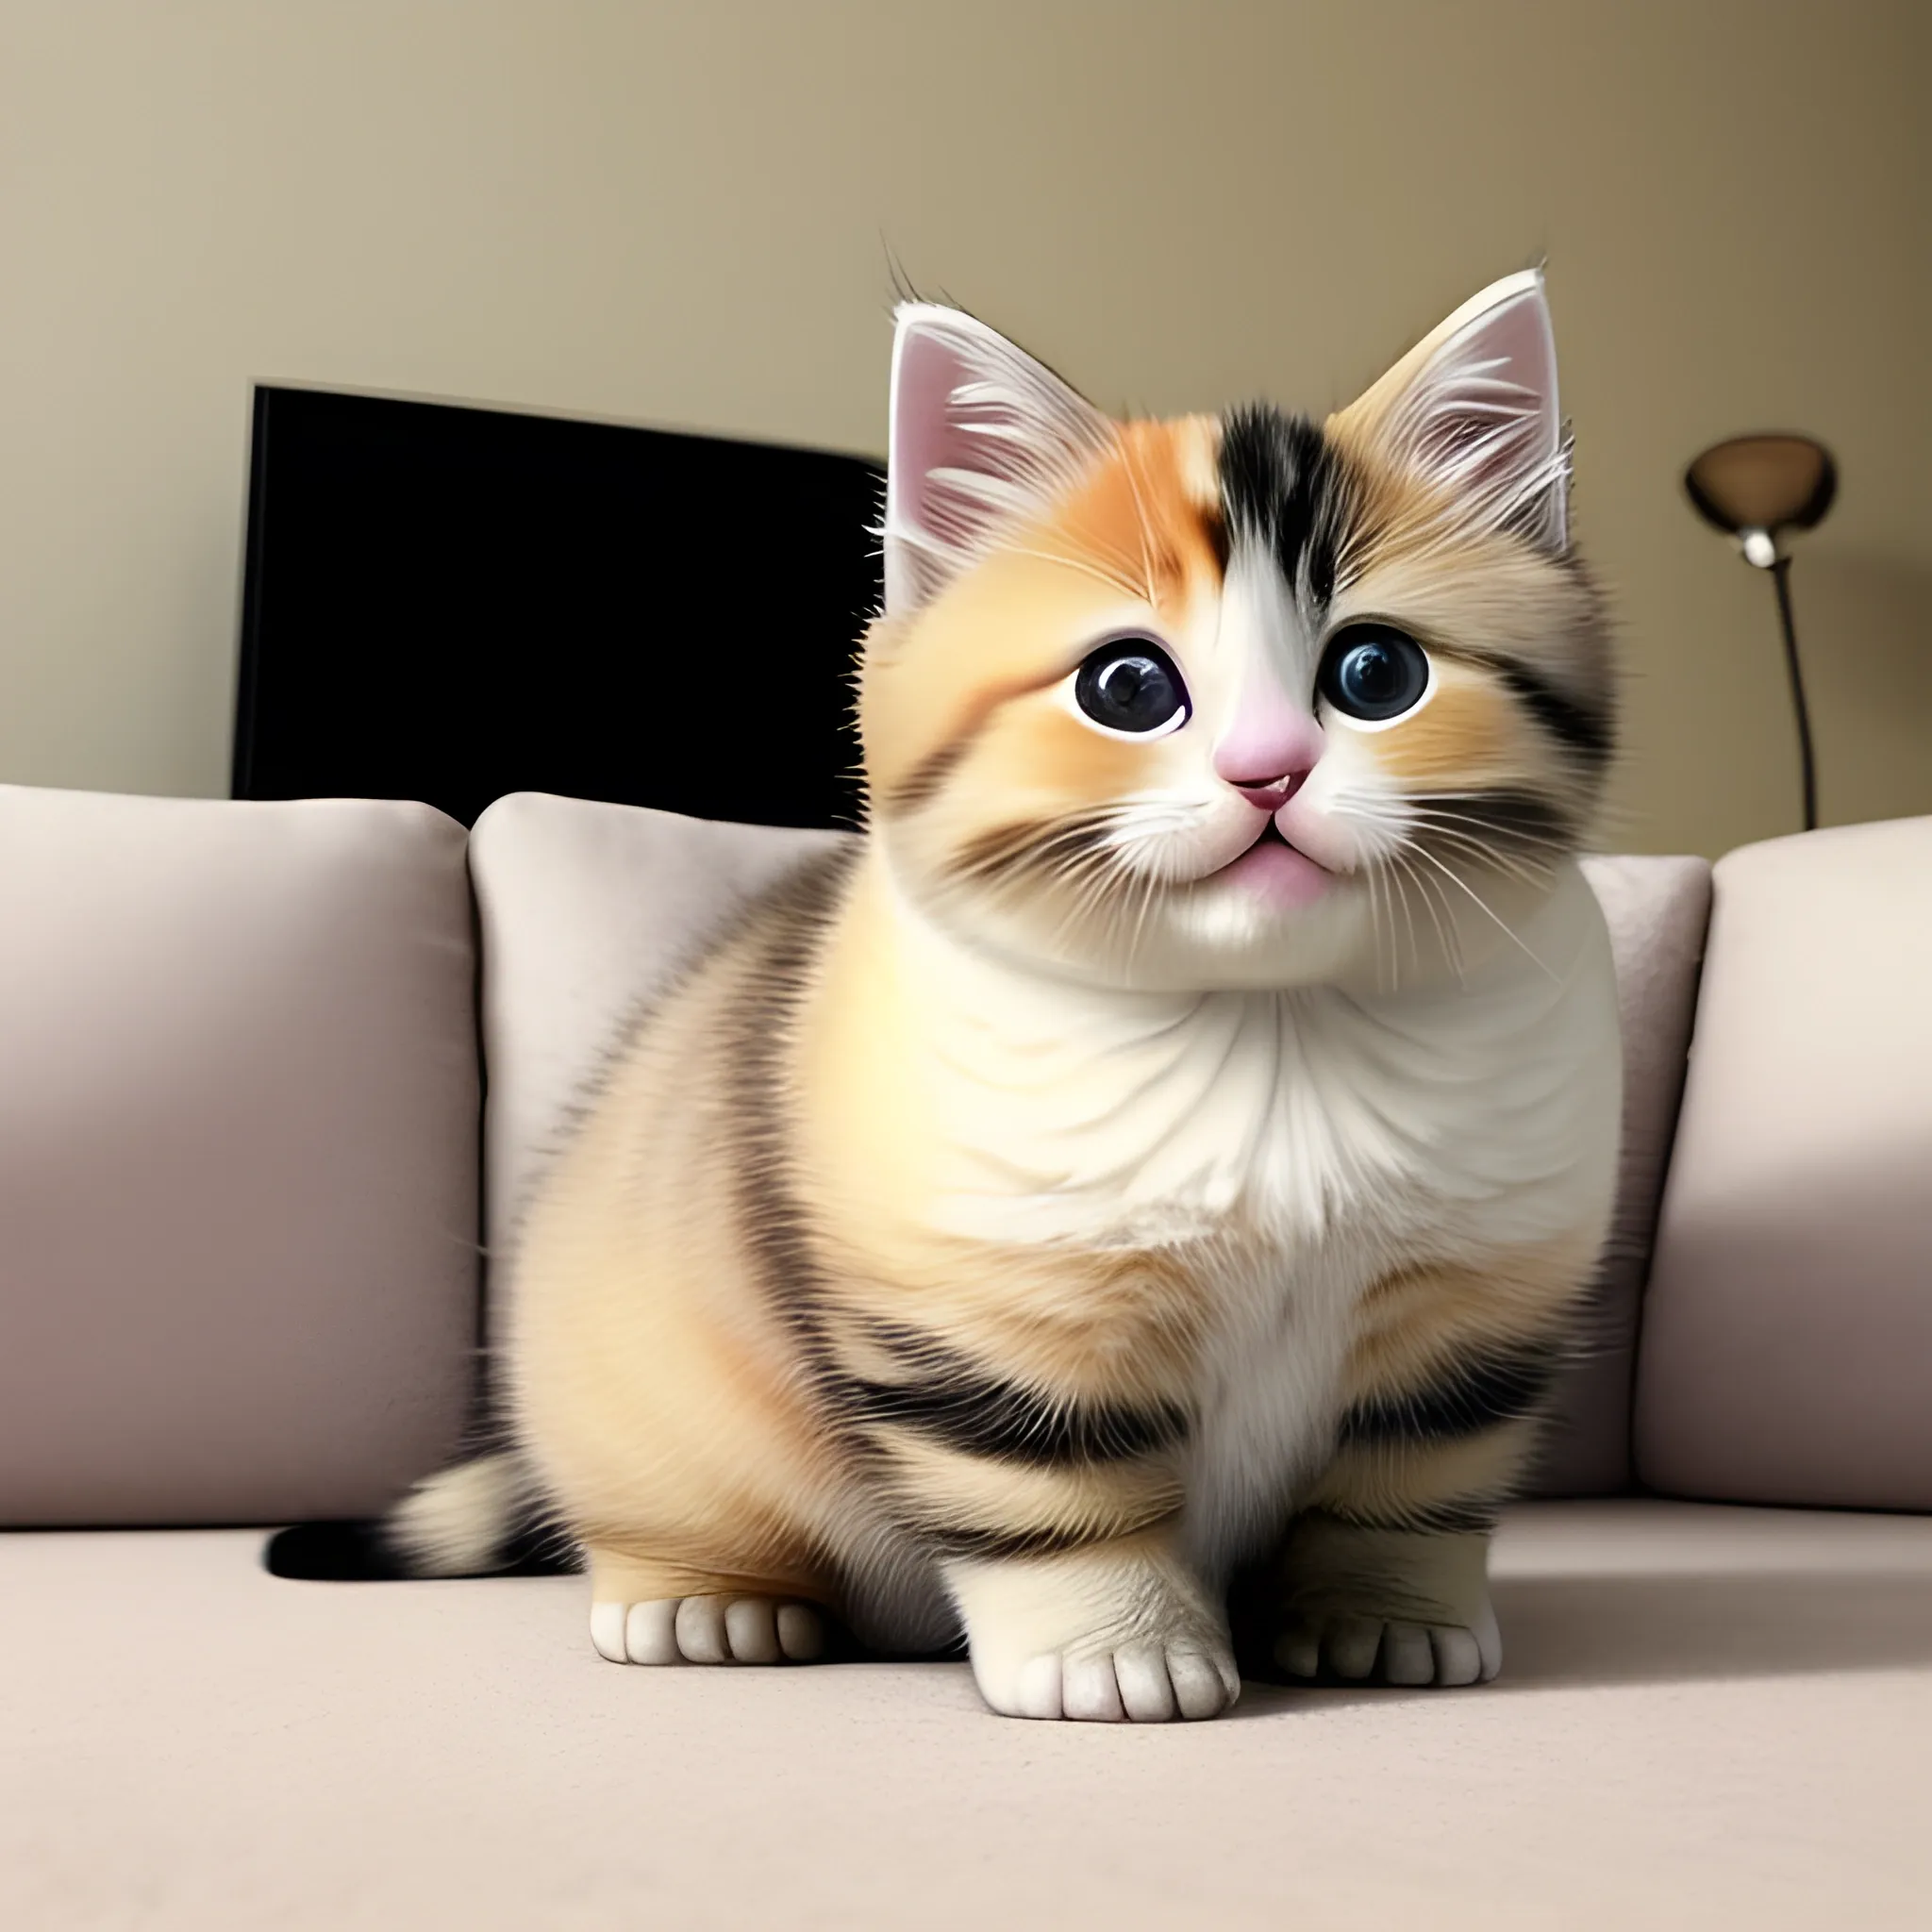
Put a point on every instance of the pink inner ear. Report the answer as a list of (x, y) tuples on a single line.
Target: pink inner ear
[(925, 434), (926, 522), (1518, 333), (1482, 417), (979, 431)]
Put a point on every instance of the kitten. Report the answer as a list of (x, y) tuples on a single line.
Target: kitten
[(1178, 1136)]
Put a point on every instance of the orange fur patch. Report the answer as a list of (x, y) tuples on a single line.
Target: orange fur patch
[(1415, 1322), (1141, 533)]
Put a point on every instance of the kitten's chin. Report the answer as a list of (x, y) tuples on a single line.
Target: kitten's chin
[(1274, 919), (1279, 932), (1275, 875)]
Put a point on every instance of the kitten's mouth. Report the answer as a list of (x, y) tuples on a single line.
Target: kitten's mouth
[(1281, 875)]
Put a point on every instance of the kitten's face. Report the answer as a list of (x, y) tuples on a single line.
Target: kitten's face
[(1242, 701)]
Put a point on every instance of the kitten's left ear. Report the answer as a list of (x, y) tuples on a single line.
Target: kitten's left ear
[(980, 434), (1473, 409)]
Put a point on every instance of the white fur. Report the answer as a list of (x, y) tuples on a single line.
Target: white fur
[(1354, 1130), (706, 1631), (1095, 1635)]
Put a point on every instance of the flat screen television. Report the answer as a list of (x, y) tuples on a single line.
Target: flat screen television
[(449, 603)]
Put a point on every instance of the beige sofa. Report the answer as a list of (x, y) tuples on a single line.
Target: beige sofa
[(244, 1056)]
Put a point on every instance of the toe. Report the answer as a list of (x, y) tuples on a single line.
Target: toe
[(1407, 1655), (1146, 1691), (1488, 1642), (801, 1633), (650, 1634), (1037, 1692), (700, 1627), (1090, 1690), (1459, 1659), (1352, 1646), (751, 1630), (1203, 1686), (1298, 1650), (606, 1631)]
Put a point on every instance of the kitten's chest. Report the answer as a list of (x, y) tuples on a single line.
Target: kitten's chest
[(1283, 1121)]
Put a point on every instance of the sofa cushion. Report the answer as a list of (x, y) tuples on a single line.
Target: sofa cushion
[(1786, 1352), (1656, 910), (585, 910), (586, 907), (1706, 1718), (238, 1156)]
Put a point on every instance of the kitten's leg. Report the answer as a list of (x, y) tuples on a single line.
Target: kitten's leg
[(1385, 1605), (647, 1612), (1385, 1573), (1111, 1630), (1052, 1508)]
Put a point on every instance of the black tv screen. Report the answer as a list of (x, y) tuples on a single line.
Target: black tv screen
[(449, 603)]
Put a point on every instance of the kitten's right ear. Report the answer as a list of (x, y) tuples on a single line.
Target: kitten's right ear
[(980, 434)]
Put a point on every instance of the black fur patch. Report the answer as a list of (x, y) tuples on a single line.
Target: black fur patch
[(955, 1402), (1482, 1392), (1580, 728), (1283, 486), (1471, 1515), (994, 1545), (359, 1552)]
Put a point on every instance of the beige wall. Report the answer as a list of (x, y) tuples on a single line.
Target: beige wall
[(674, 213)]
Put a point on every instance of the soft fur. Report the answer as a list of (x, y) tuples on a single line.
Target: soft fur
[(1057, 1202)]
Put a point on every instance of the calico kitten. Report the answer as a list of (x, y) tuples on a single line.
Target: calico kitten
[(1177, 1136)]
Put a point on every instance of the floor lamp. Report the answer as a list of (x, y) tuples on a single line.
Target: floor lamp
[(1757, 489)]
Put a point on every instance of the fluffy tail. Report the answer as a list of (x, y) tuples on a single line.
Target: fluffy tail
[(481, 1518)]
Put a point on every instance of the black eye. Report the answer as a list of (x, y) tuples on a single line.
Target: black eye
[(1372, 672), (1131, 685)]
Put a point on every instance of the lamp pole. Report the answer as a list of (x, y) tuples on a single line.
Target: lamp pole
[(1780, 571)]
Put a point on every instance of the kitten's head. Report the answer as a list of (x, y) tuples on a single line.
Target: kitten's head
[(1235, 701)]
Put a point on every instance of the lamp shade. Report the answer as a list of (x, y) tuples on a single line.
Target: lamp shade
[(1762, 483)]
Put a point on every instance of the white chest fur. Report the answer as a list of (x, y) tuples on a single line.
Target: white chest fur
[(1343, 1134), (1125, 1120)]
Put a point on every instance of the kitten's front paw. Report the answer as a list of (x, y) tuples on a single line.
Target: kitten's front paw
[(1372, 1649), (1135, 1683), (1108, 1634), (708, 1630), (1382, 1606)]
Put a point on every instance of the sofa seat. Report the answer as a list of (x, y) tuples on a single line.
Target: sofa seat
[(1708, 1716)]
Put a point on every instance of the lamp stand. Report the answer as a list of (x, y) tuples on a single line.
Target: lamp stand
[(1780, 570)]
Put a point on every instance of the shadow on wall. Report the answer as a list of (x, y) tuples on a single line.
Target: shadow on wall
[(1865, 635)]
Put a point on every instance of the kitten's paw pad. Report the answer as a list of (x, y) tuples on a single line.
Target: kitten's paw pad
[(1135, 1683), (1366, 1649), (708, 1630)]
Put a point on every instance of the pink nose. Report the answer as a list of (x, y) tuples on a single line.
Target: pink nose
[(1271, 750)]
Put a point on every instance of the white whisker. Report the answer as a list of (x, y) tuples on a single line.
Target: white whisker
[(1489, 912)]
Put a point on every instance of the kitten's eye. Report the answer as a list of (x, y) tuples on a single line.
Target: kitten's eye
[(1131, 685), (1372, 672)]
